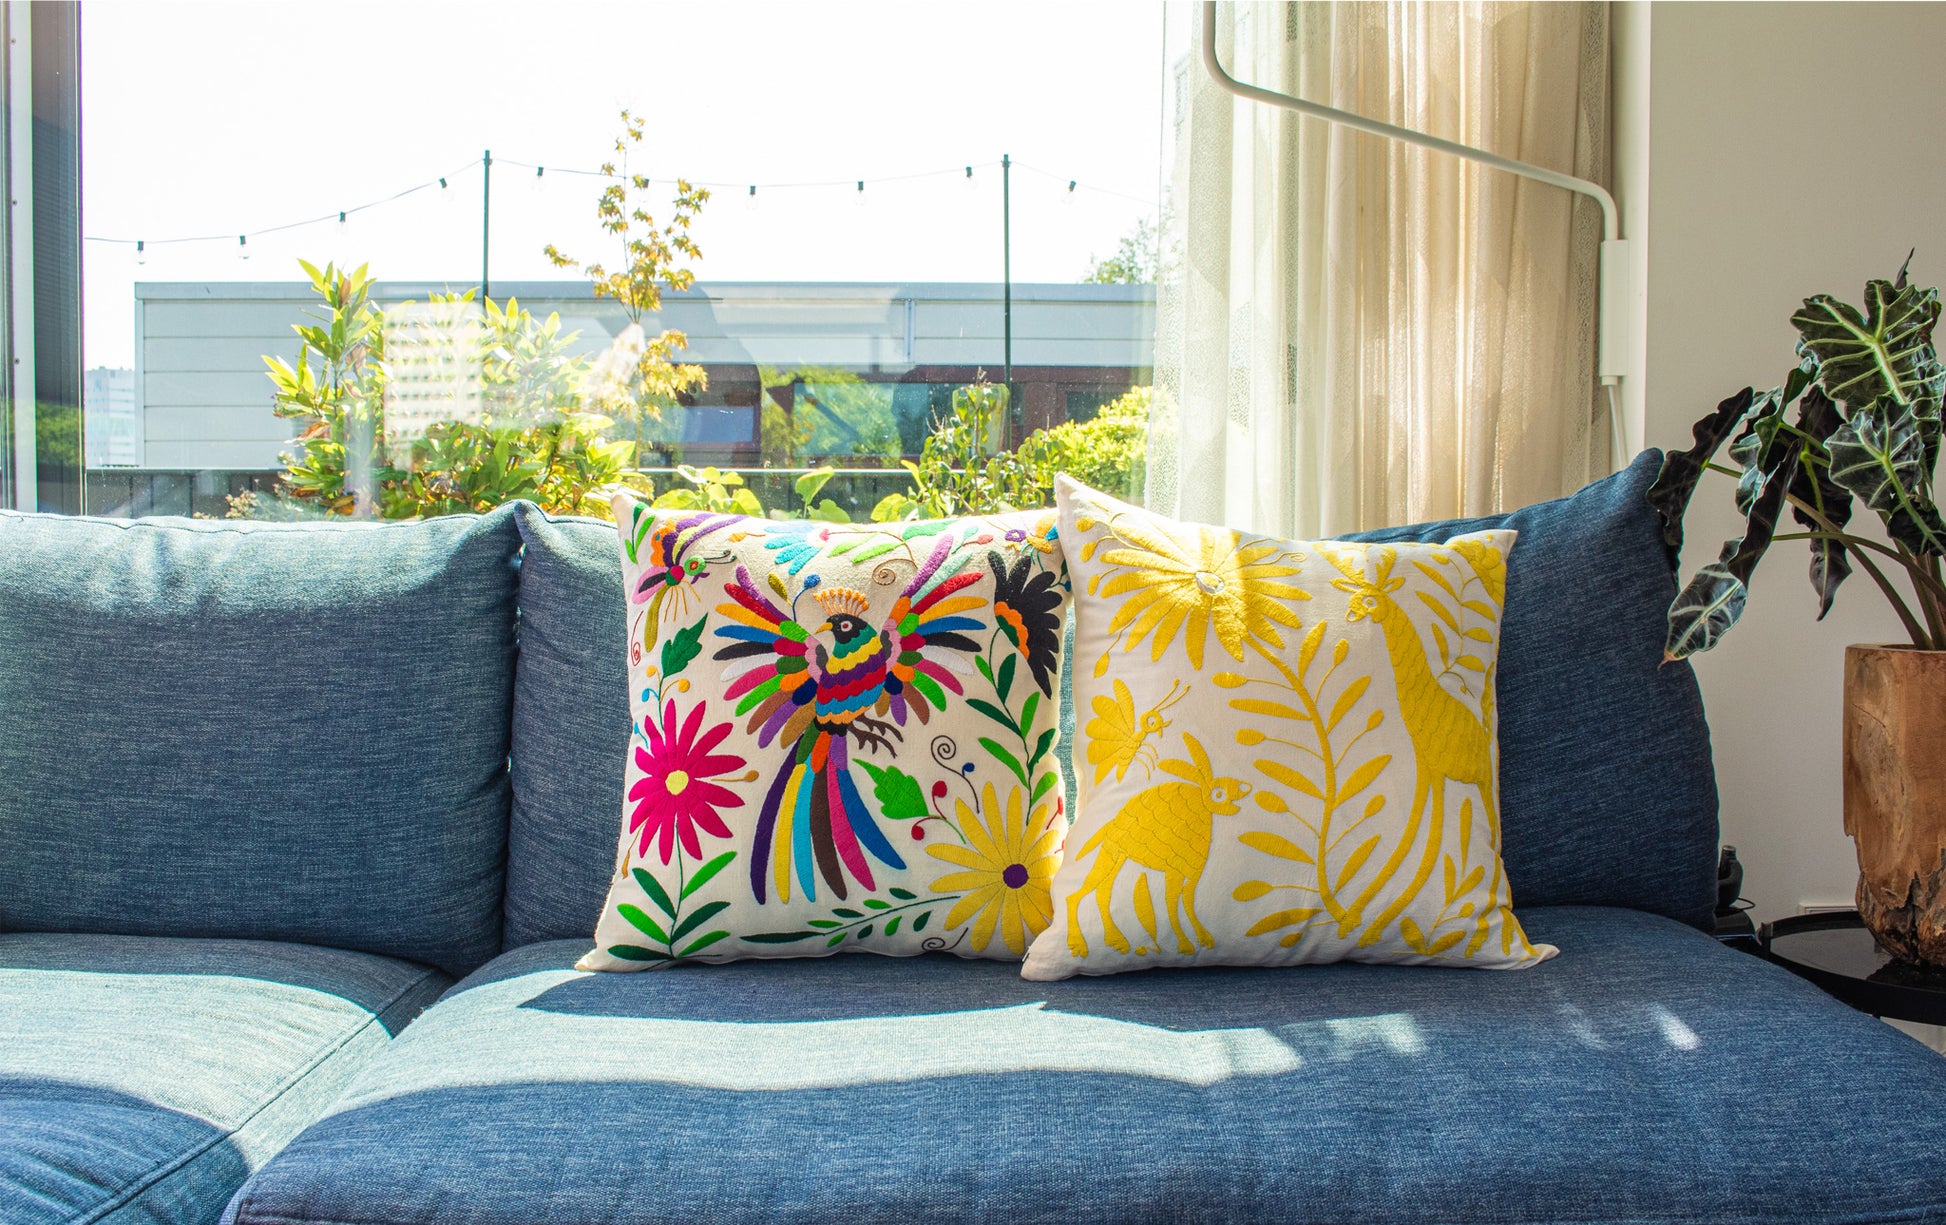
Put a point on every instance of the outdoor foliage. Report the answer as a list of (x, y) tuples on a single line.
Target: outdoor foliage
[(362, 452), (638, 377), (1106, 452), (1867, 392), (960, 470)]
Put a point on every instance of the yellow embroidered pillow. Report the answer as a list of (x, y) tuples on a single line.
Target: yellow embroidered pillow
[(1286, 750)]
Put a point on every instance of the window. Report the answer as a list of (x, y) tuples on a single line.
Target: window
[(900, 205)]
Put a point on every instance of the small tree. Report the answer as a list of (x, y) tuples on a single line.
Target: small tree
[(1137, 259), (652, 261)]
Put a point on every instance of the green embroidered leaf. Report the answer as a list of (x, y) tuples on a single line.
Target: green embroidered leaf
[(1005, 683), (635, 952), (919, 921), (684, 645), (640, 919), (835, 941), (892, 925), (994, 713), (696, 918), (1027, 708), (704, 873), (1001, 755), (1883, 350), (865, 931), (785, 937), (1042, 745), (900, 798), (654, 889), (825, 923), (986, 669), (1676, 483), (904, 895), (877, 904), (1042, 787), (845, 912), (705, 941)]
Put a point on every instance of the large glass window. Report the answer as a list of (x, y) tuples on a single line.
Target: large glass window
[(817, 233)]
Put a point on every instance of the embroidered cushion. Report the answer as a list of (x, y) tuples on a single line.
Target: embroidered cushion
[(1287, 750), (844, 737)]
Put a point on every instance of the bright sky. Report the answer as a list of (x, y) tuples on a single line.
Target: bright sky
[(218, 119)]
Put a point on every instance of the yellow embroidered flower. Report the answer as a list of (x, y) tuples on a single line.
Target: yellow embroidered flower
[(1192, 579), (1009, 861)]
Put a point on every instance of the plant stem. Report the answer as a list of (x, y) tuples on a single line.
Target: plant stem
[(1929, 600), (1916, 631)]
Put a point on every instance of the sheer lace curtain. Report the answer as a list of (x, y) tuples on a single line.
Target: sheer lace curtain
[(1354, 332)]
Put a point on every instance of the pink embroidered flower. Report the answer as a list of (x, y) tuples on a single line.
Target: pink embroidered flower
[(681, 784)]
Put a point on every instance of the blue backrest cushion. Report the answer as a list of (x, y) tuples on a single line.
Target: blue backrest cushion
[(267, 731), (570, 729), (1608, 794), (1607, 791)]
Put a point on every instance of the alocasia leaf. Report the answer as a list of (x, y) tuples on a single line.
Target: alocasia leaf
[(1885, 349), (1676, 483), (1880, 455), (1706, 608), (1817, 420)]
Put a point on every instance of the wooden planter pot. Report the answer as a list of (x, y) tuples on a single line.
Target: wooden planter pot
[(1895, 795)]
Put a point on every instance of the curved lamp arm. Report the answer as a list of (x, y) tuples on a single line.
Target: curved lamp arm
[(1614, 336)]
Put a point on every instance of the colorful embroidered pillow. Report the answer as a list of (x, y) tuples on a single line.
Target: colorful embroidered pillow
[(844, 738), (1286, 751)]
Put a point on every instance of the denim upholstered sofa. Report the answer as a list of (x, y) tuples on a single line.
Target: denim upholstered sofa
[(302, 829)]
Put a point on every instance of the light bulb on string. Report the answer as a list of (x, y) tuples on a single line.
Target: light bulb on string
[(1069, 197), (243, 246), (968, 180), (858, 197), (341, 238), (141, 252), (750, 200)]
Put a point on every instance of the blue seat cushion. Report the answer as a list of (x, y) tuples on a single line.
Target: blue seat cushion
[(265, 731), (143, 1078), (1647, 1074)]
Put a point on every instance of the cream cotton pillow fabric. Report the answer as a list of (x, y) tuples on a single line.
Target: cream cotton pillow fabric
[(844, 737), (1286, 751)]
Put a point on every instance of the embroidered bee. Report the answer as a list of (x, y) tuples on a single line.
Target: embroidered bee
[(1117, 739)]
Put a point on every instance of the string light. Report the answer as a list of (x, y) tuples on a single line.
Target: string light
[(963, 172)]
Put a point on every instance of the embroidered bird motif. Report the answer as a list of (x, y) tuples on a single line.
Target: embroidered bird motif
[(830, 689)]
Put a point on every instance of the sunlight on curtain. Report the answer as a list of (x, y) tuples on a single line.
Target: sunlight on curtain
[(1354, 332)]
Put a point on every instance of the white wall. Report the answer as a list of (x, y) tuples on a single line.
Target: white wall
[(1790, 149)]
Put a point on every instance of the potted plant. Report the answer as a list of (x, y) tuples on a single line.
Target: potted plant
[(1858, 420)]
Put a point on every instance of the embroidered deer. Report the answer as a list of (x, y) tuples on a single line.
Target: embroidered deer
[(1166, 828), (1450, 741)]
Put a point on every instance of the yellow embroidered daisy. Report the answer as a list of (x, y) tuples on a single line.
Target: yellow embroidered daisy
[(1008, 862)]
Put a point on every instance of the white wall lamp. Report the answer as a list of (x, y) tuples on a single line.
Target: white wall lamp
[(1615, 338)]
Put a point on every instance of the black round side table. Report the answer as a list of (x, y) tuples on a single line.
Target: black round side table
[(1836, 952)]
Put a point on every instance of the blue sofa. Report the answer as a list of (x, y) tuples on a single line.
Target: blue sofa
[(303, 828)]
